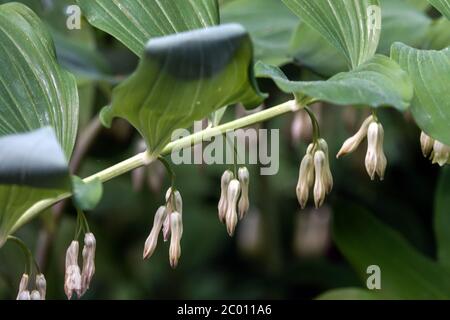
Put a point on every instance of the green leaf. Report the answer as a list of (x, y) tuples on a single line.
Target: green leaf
[(402, 22), (349, 294), (34, 93), (442, 218), (352, 26), (86, 196), (135, 22), (442, 5), (405, 273), (438, 35), (269, 23), (378, 82), (312, 50), (430, 72), (33, 159), (183, 78)]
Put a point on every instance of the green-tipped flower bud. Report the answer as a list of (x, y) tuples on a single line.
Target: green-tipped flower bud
[(227, 176), (328, 177), (176, 227), (441, 153), (23, 286), (172, 199), (72, 281), (231, 218), (88, 261), (372, 149), (152, 240), (319, 185), (381, 158), (352, 143), (244, 202), (303, 184), (426, 144)]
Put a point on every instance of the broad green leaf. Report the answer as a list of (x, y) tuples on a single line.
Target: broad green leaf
[(402, 22), (442, 5), (378, 82), (349, 294), (86, 196), (34, 93), (352, 26), (442, 218), (313, 51), (32, 166), (438, 35), (405, 273), (269, 23), (184, 77), (430, 73), (33, 159), (135, 22)]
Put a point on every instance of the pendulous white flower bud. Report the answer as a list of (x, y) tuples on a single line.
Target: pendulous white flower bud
[(319, 183), (381, 158), (304, 184), (88, 261), (227, 176), (176, 226), (231, 218), (441, 153), (372, 150), (24, 295), (41, 285), (244, 202), (352, 143), (72, 281), (35, 295), (174, 203), (152, 240), (426, 144), (328, 177), (23, 286)]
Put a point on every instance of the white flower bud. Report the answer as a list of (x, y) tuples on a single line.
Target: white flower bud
[(35, 295), (381, 158), (352, 143), (23, 286), (176, 226), (244, 202), (88, 261), (441, 153), (328, 177), (372, 150), (152, 240), (24, 295), (227, 176), (72, 281), (166, 227), (41, 285), (426, 143), (303, 184), (231, 218), (319, 185)]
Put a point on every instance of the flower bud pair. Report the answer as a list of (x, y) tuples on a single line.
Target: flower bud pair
[(314, 173), (375, 160), (75, 280), (440, 153), (234, 200)]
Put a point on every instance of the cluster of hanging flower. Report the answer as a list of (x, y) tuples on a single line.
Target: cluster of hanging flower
[(37, 294), (168, 219), (439, 153), (76, 280), (232, 191), (375, 158), (314, 173)]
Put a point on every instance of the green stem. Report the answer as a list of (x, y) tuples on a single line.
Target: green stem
[(144, 158), (27, 253), (315, 124)]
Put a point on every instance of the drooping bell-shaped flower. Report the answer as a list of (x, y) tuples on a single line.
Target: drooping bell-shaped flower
[(23, 288), (304, 180), (441, 153), (88, 261), (319, 183), (152, 240), (35, 295), (176, 227), (174, 203), (426, 144), (328, 177), (244, 202), (352, 143), (233, 193), (375, 159), (72, 280), (41, 285), (227, 176)]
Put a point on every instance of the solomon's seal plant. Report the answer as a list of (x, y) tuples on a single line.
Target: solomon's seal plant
[(192, 67)]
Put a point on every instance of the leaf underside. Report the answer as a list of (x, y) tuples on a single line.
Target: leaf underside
[(378, 82), (183, 78), (429, 71)]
